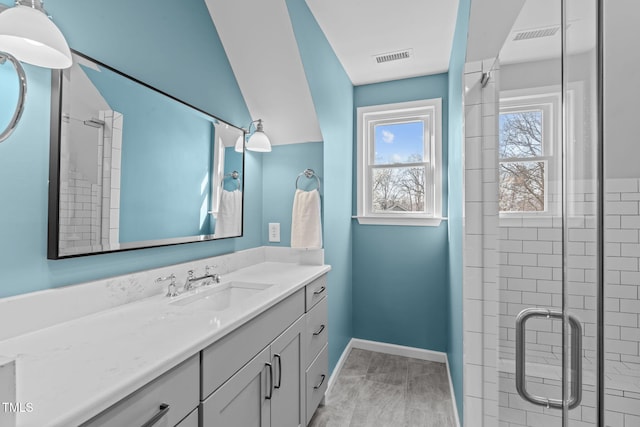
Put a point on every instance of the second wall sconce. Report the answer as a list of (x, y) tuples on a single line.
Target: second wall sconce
[(258, 141)]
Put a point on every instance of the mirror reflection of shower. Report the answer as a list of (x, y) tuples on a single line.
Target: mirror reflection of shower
[(90, 183)]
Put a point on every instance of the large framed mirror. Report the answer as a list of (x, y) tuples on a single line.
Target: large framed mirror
[(133, 167)]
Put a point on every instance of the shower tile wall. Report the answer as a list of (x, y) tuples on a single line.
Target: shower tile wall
[(89, 214), (109, 163), (480, 249), (530, 275)]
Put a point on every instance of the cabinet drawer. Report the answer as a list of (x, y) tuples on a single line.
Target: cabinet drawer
[(317, 379), (224, 358), (316, 290), (178, 388), (317, 332)]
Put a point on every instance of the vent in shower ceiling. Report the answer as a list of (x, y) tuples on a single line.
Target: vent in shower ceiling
[(393, 56), (536, 33)]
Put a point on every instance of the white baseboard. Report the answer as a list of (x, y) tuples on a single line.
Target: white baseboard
[(397, 350), (338, 368), (453, 396)]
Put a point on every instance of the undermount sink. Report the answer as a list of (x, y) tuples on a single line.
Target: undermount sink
[(221, 297)]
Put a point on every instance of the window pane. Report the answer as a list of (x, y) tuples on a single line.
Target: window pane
[(398, 189), (399, 143), (521, 134), (522, 186)]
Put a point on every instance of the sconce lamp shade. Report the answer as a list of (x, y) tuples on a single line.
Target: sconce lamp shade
[(259, 142), (30, 36), (239, 144)]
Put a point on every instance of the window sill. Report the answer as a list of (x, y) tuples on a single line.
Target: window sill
[(414, 222)]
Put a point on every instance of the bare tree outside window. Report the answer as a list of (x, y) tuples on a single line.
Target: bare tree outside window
[(399, 172), (398, 189), (522, 171)]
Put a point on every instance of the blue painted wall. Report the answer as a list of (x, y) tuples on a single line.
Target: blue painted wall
[(166, 158), (400, 277), (279, 174), (178, 52), (456, 187), (332, 94)]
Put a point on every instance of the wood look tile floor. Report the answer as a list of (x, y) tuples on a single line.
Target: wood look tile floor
[(376, 389)]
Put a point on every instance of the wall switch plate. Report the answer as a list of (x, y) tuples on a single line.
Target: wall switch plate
[(274, 231)]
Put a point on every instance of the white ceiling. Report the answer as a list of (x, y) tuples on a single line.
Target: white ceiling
[(490, 23), (494, 24), (259, 42), (360, 29), (543, 14), (258, 38)]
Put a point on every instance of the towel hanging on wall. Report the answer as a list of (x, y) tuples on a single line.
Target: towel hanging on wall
[(306, 227), (229, 221)]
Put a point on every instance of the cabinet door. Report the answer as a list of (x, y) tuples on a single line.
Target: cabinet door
[(244, 400), (287, 405)]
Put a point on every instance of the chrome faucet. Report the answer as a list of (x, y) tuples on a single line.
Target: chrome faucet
[(191, 279), (172, 290)]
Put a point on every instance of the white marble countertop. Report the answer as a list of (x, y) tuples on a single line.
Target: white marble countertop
[(74, 370)]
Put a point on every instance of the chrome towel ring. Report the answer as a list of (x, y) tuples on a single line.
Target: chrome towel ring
[(308, 173), (21, 95), (235, 176)]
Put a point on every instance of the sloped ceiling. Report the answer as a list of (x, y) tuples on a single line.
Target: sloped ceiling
[(259, 41)]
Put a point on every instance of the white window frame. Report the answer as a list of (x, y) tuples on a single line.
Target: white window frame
[(429, 111), (548, 101)]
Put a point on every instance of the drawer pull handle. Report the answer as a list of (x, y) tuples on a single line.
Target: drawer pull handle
[(320, 290), (270, 381), (279, 371), (319, 330), (164, 408), (315, 387)]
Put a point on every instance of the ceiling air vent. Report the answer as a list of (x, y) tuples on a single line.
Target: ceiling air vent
[(536, 34), (393, 56)]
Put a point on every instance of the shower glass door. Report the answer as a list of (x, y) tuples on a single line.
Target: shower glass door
[(549, 216), (582, 213)]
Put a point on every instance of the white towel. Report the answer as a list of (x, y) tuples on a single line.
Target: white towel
[(306, 229), (229, 221)]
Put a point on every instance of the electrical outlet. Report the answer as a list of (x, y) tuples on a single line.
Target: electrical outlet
[(274, 231)]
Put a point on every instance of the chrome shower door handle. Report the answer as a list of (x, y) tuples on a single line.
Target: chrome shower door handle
[(576, 358), (576, 362)]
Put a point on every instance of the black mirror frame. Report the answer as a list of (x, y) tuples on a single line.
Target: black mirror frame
[(53, 252)]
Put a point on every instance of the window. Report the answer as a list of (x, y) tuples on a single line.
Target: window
[(399, 163), (528, 134)]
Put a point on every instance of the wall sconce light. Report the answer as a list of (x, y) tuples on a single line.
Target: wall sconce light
[(27, 34), (258, 141)]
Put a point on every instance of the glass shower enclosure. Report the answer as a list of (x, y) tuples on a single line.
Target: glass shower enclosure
[(551, 306)]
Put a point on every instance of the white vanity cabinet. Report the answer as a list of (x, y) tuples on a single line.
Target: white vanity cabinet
[(317, 361), (270, 371), (169, 400), (263, 374), (268, 390), (288, 359)]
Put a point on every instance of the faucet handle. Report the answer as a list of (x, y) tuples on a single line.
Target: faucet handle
[(216, 276), (171, 289)]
